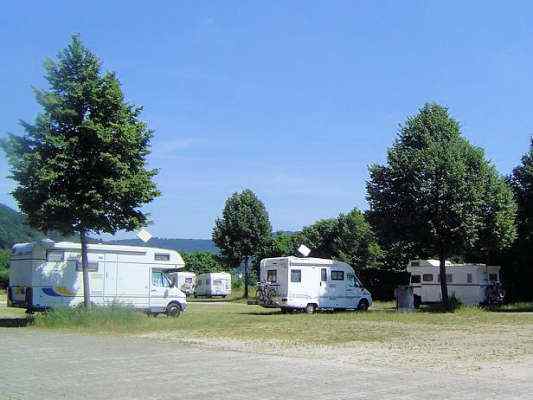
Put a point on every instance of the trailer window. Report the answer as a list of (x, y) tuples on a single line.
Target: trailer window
[(415, 278), (296, 275), (427, 277), (468, 278), (337, 275), (272, 276), (449, 278), (162, 257), (324, 275), (91, 266), (493, 277)]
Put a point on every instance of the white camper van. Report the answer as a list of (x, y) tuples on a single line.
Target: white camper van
[(472, 284), (213, 284), (184, 281), (310, 283), (48, 274)]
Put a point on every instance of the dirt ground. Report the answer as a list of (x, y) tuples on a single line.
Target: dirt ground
[(40, 364)]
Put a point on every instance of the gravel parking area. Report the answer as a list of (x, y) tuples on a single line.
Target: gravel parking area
[(49, 365)]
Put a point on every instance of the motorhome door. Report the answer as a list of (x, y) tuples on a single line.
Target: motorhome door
[(160, 284), (324, 289)]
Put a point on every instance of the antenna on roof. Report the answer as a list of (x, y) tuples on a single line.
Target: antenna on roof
[(144, 235), (304, 250)]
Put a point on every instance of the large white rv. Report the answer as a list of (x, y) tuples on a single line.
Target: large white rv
[(184, 281), (293, 283), (213, 284), (470, 283), (48, 274)]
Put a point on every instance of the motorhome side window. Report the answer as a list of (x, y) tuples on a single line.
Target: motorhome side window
[(162, 257), (415, 278), (351, 280), (337, 275), (296, 275), (468, 278), (324, 275), (91, 267), (427, 277), (272, 276), (55, 256)]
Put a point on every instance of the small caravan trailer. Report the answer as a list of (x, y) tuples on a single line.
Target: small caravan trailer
[(184, 281), (48, 274), (470, 283), (213, 284), (310, 283)]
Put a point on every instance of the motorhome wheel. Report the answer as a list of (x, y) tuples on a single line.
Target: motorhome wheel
[(363, 305), (310, 308), (173, 310)]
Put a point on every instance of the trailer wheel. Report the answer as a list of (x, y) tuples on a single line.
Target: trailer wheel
[(173, 310), (310, 308), (363, 305)]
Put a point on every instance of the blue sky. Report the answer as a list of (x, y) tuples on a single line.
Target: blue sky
[(291, 99)]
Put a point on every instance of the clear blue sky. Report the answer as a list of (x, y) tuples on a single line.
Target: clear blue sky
[(291, 99)]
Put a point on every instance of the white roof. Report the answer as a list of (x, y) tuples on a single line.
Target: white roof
[(306, 261), (26, 248)]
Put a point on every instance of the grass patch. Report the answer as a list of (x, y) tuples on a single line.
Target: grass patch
[(236, 296), (242, 322), (103, 319), (9, 312)]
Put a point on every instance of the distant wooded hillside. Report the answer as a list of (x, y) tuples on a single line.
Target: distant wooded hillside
[(13, 229)]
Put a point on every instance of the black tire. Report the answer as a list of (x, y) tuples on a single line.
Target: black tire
[(310, 308), (173, 310), (363, 305)]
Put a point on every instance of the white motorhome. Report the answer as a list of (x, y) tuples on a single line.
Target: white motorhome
[(48, 274), (213, 284), (293, 283), (184, 281), (472, 284)]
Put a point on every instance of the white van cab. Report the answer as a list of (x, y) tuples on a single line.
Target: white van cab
[(48, 274), (310, 283)]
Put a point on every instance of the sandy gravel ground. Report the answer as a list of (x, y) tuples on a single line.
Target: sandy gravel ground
[(48, 365)]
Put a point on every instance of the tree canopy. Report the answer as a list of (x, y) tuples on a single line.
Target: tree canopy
[(519, 259), (244, 231), (81, 166), (438, 195)]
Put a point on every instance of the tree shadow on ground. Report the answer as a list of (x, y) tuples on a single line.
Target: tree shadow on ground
[(17, 322)]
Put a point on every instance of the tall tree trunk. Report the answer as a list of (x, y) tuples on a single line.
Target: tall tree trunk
[(246, 267), (443, 283), (85, 269)]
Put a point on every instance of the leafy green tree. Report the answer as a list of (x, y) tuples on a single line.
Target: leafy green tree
[(349, 238), (201, 262), (520, 258), (319, 238), (438, 195), (243, 232), (81, 167), (355, 242)]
